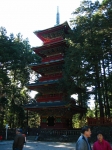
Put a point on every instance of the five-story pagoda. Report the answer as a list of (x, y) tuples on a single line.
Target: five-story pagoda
[(54, 110)]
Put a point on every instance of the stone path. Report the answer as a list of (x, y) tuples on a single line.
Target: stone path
[(31, 145)]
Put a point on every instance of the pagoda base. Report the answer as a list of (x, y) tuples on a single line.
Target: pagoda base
[(56, 122), (55, 115)]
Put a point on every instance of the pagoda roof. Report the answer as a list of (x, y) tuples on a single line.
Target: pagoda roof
[(52, 28), (46, 104), (47, 63), (50, 105), (41, 33), (40, 49), (42, 83), (35, 67)]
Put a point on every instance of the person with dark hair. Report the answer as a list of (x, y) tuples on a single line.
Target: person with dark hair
[(101, 144), (82, 142), (19, 140)]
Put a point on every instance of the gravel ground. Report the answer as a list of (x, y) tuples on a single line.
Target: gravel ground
[(31, 145)]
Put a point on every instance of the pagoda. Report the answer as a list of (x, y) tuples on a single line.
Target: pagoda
[(55, 111)]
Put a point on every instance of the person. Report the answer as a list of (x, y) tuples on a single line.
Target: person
[(19, 140), (82, 142), (101, 144), (1, 137), (36, 137), (24, 138)]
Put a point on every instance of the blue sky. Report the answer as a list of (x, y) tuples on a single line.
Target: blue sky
[(26, 16)]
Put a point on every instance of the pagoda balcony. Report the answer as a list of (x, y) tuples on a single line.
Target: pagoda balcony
[(53, 40), (52, 58), (51, 77), (52, 98)]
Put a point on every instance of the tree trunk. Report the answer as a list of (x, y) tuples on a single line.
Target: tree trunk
[(99, 91)]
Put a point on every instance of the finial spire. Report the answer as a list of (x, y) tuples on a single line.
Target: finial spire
[(57, 16)]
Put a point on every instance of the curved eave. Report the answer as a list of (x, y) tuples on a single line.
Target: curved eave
[(46, 64), (53, 28), (42, 88), (46, 104), (42, 83), (52, 105)]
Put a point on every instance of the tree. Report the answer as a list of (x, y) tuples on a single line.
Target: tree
[(15, 56), (88, 59)]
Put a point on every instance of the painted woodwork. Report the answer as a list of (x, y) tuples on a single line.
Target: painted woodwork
[(51, 104)]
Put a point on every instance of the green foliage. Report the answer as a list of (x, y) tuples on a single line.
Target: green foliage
[(79, 120), (15, 56), (88, 59), (34, 120)]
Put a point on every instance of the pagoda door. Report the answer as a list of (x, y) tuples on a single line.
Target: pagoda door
[(51, 121)]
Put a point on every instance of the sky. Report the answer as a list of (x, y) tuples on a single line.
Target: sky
[(27, 16)]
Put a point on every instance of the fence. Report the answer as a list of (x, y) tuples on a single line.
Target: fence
[(43, 132), (10, 133), (53, 134), (101, 121)]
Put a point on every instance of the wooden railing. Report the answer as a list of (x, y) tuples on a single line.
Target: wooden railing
[(100, 121), (46, 98), (62, 132), (10, 133), (55, 135), (56, 57), (50, 77), (54, 40)]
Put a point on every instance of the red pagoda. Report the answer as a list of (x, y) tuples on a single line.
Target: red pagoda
[(54, 110)]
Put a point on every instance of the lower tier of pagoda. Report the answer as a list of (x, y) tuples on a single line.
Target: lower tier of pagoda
[(55, 108), (55, 115)]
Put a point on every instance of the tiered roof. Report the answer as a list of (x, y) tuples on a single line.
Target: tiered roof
[(52, 53)]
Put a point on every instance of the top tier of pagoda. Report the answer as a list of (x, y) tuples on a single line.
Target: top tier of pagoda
[(54, 34)]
